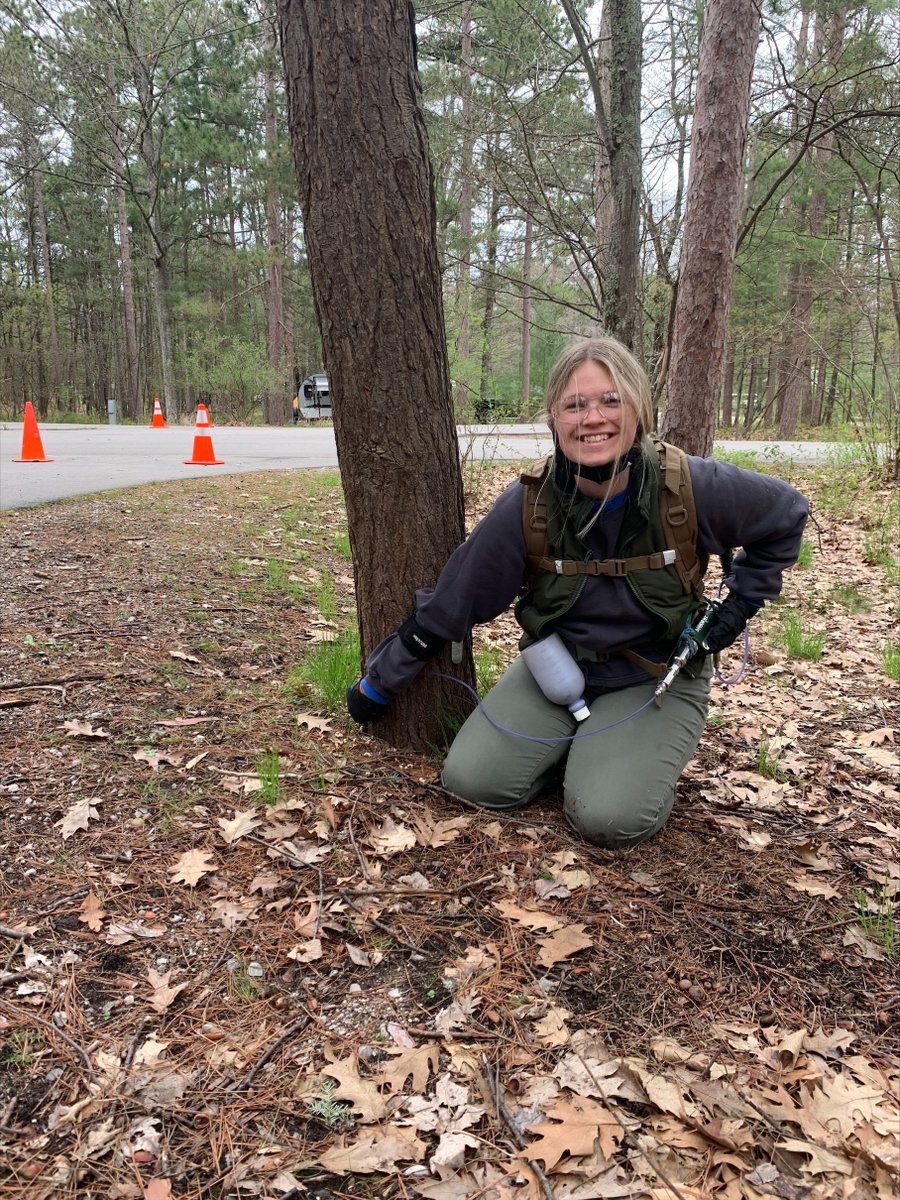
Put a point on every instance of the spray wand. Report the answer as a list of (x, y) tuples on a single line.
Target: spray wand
[(691, 642)]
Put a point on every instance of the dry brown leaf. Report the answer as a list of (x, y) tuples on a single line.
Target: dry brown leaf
[(534, 918), (881, 756), (311, 722), (812, 886), (120, 932), (265, 882), (434, 833), (78, 816), (308, 951), (876, 737), (153, 758), (362, 1095), (180, 654), (551, 1029), (158, 1189), (856, 936), (363, 958), (234, 912), (83, 729), (391, 838), (92, 912), (163, 993), (821, 1161), (374, 1152), (581, 1122), (243, 822), (562, 944), (306, 853), (191, 867), (419, 1062)]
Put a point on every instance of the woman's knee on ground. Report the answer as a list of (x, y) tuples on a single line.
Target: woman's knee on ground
[(617, 820), (482, 782)]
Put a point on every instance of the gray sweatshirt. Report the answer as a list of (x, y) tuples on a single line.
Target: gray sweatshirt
[(735, 508)]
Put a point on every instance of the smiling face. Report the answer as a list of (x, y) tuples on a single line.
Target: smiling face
[(594, 425)]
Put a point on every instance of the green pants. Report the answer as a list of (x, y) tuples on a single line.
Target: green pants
[(618, 785)]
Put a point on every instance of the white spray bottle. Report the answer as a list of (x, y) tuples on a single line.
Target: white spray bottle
[(557, 674)]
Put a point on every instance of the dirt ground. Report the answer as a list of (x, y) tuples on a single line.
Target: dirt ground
[(249, 952)]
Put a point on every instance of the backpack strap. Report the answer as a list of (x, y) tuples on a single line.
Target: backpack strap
[(606, 566), (679, 515), (534, 515)]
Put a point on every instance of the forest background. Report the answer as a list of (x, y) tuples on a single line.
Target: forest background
[(151, 240)]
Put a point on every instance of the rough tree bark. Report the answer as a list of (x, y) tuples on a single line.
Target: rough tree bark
[(615, 83), (367, 196), (714, 200), (525, 394), (276, 401)]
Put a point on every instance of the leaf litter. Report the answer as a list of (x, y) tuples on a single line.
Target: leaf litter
[(363, 986)]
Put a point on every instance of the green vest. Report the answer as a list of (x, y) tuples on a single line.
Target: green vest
[(549, 594)]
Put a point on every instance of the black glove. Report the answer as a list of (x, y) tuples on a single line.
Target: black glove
[(730, 622), (362, 708)]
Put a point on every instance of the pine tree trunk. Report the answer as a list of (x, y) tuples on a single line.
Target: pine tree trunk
[(615, 81), (489, 288), (43, 242), (715, 197), (466, 193), (132, 400), (276, 407), (366, 192), (728, 387), (525, 392)]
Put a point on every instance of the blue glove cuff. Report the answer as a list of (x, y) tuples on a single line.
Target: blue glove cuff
[(368, 691)]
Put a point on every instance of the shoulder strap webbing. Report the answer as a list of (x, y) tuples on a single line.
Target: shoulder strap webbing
[(679, 516), (534, 513)]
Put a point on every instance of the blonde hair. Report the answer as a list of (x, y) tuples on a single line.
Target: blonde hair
[(628, 376)]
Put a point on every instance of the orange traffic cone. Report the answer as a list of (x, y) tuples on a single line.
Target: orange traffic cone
[(32, 446), (203, 454), (159, 421)]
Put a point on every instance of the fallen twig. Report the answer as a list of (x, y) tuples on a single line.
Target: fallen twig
[(8, 931), (295, 1026), (491, 1086), (22, 684)]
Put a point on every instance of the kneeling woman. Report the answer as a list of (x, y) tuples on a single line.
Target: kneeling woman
[(606, 587)]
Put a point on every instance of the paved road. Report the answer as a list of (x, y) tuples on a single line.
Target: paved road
[(96, 458)]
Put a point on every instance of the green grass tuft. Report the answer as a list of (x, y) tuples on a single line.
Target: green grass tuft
[(268, 768), (850, 597), (799, 641), (325, 672), (878, 919)]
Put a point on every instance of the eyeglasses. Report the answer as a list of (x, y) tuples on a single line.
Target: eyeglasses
[(579, 406)]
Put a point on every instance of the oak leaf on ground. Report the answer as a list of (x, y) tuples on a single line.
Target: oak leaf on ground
[(563, 944), (243, 822), (191, 867), (573, 1128), (83, 729), (361, 1094), (534, 918), (92, 912), (374, 1152), (163, 992), (420, 1062), (77, 817)]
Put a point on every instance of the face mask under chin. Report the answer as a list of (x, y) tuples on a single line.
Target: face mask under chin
[(567, 473)]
